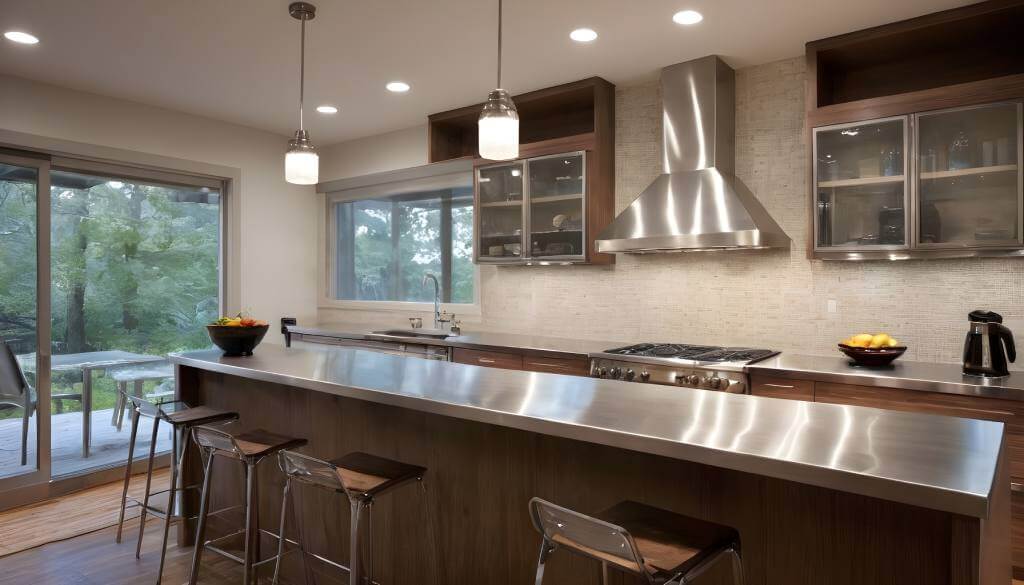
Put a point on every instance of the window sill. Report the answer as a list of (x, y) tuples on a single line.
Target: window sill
[(458, 309)]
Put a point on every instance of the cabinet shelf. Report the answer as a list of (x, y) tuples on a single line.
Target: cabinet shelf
[(502, 204), (968, 172), (862, 181), (556, 198)]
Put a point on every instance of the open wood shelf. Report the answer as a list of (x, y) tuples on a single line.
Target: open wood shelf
[(968, 172), (862, 181)]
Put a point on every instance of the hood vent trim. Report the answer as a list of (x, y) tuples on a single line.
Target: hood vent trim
[(697, 204)]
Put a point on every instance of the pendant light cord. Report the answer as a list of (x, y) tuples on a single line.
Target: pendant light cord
[(302, 71), (499, 44)]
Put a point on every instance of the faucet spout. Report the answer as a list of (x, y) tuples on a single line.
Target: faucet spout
[(437, 297)]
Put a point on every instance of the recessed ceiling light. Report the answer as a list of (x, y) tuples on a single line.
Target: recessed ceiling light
[(687, 17), (21, 37), (397, 86), (327, 109), (583, 35)]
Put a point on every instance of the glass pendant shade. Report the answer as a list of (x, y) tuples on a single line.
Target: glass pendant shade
[(499, 127), (301, 162)]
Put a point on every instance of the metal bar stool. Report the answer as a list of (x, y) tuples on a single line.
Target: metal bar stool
[(182, 418), (661, 546), (361, 477), (250, 448)]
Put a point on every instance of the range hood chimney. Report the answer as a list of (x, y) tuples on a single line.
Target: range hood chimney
[(698, 203)]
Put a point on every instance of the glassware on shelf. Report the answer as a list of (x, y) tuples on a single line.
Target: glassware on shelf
[(960, 152), (892, 162)]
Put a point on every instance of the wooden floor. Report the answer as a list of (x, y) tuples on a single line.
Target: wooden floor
[(109, 447), (71, 515)]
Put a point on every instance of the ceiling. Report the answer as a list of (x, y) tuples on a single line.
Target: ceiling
[(237, 60)]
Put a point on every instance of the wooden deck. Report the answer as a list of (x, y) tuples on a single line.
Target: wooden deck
[(109, 447)]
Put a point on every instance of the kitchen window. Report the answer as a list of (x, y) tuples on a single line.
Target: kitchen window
[(386, 238)]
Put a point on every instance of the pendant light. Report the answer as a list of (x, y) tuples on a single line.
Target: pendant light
[(301, 162), (499, 121)]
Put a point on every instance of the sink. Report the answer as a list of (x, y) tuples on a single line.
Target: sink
[(428, 333)]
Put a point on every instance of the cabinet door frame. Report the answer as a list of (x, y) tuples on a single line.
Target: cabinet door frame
[(907, 168), (916, 183), (528, 194), (478, 257)]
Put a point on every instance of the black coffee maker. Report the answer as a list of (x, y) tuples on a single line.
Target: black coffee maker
[(984, 353)]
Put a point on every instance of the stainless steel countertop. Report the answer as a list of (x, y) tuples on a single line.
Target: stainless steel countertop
[(935, 462), (536, 345), (929, 377)]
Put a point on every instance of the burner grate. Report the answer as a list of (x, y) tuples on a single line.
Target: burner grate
[(704, 353), (736, 354)]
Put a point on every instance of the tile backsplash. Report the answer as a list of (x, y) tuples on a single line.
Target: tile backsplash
[(774, 299)]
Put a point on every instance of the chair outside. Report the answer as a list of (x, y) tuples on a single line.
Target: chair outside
[(679, 548), (15, 392)]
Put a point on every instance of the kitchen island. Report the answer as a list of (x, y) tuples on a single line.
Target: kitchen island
[(819, 493)]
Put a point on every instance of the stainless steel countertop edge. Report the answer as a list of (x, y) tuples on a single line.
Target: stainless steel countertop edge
[(938, 497)]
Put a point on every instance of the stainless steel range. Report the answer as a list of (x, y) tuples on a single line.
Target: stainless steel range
[(691, 366)]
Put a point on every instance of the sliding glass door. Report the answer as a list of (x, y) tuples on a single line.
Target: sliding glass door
[(105, 270), (24, 321)]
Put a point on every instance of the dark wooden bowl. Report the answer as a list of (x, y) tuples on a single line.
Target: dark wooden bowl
[(872, 356), (236, 341)]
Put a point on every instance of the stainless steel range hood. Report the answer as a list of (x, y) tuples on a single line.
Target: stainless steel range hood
[(698, 203)]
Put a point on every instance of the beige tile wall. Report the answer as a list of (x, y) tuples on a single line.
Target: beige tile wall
[(768, 299)]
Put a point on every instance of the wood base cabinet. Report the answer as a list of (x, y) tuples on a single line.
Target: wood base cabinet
[(1009, 412)]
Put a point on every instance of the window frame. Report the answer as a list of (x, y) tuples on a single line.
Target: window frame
[(381, 186)]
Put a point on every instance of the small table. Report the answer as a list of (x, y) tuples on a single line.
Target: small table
[(86, 362)]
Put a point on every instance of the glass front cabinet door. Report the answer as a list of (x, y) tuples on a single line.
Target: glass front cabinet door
[(557, 204), (968, 179), (500, 217), (861, 186)]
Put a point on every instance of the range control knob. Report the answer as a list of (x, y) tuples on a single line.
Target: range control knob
[(601, 371), (693, 379), (629, 374), (714, 383), (615, 372), (645, 376)]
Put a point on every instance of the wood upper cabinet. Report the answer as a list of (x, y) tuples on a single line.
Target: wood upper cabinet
[(916, 137), (548, 206)]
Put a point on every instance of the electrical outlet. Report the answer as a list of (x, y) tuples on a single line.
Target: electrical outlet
[(832, 306)]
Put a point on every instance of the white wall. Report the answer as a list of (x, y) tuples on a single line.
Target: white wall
[(272, 252), (385, 152)]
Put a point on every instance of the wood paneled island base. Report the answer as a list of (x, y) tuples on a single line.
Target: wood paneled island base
[(470, 525)]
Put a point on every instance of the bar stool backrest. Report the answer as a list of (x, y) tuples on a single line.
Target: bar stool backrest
[(586, 535), (12, 380), (311, 470), (145, 407), (211, 437)]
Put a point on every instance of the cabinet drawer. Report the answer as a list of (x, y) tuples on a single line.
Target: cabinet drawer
[(774, 387), (1008, 411), (490, 359), (1017, 528), (570, 366)]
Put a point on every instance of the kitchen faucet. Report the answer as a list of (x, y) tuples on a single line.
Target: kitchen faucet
[(437, 298)]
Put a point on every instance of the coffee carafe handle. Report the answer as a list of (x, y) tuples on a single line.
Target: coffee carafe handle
[(1007, 336)]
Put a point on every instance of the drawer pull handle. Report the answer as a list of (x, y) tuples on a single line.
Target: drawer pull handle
[(544, 365), (1016, 487), (484, 360), (779, 386)]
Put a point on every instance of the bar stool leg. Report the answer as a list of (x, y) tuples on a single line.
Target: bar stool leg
[(176, 459), (280, 530), (127, 474), (737, 567), (115, 415), (369, 542), (204, 508), (149, 481), (545, 550), (604, 573), (355, 576), (251, 529)]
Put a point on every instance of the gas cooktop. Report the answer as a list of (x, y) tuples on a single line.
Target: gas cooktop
[(696, 353)]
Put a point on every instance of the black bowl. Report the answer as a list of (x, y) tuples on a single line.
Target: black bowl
[(236, 341), (872, 356)]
